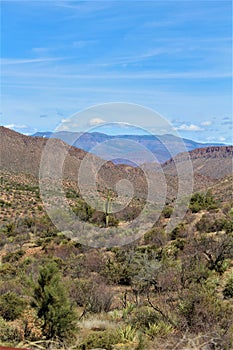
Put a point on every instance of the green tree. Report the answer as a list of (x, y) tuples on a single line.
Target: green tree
[(52, 303)]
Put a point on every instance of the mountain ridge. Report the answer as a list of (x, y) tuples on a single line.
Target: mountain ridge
[(120, 145)]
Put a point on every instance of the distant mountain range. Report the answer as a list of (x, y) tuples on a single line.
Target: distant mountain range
[(128, 149)]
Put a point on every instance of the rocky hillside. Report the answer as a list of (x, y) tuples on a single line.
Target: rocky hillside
[(214, 162)]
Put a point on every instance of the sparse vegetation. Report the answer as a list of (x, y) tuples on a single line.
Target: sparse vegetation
[(163, 290)]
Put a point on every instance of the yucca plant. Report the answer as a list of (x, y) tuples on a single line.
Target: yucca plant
[(159, 329), (127, 333)]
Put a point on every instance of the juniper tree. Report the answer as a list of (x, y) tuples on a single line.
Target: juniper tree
[(52, 303)]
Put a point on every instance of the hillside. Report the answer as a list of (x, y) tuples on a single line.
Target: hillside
[(163, 291), (214, 162)]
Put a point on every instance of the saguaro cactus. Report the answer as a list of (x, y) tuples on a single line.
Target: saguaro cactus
[(107, 209)]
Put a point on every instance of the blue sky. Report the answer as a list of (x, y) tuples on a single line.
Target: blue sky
[(60, 57)]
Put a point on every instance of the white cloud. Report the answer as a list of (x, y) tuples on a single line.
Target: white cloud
[(96, 121), (190, 127), (216, 139), (66, 120), (16, 126), (206, 123)]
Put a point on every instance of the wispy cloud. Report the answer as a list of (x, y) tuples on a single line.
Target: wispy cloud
[(200, 75), (206, 123), (16, 126), (73, 54), (215, 138), (191, 127), (11, 61), (96, 121)]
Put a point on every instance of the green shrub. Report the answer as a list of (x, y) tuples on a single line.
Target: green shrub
[(9, 333), (143, 318), (203, 310), (167, 212), (228, 226), (228, 289), (209, 224), (13, 256), (102, 339), (11, 306), (200, 201), (156, 235), (178, 232)]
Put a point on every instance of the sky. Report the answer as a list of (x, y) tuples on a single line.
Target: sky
[(174, 57)]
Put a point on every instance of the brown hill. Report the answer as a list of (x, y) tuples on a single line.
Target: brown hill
[(22, 154), (212, 162)]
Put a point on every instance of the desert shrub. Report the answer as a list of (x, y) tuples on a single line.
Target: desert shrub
[(10, 333), (167, 212), (11, 284), (94, 295), (202, 310), (93, 261), (228, 226), (179, 243), (179, 231), (193, 270), (12, 257), (7, 270), (209, 224), (200, 201), (217, 250), (102, 339), (11, 306), (117, 272), (113, 221), (84, 211), (142, 318), (70, 193), (157, 236), (3, 239), (228, 288), (10, 228)]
